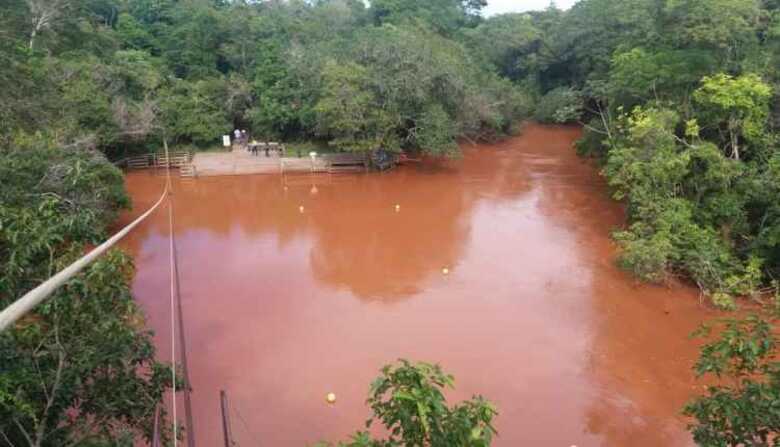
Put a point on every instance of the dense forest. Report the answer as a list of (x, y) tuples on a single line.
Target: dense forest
[(115, 75), (678, 101)]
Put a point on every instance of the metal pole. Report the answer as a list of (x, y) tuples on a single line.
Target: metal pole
[(225, 418), (156, 434)]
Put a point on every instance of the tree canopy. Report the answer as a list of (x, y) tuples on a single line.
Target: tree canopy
[(197, 69)]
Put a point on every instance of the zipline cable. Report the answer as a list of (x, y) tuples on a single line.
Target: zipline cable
[(177, 316), (173, 310), (183, 350), (29, 300)]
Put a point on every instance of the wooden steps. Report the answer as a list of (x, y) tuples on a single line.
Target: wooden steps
[(159, 160), (345, 169), (139, 162), (176, 159), (187, 170)]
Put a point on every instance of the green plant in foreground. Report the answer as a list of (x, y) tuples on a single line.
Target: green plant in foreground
[(743, 409), (408, 400)]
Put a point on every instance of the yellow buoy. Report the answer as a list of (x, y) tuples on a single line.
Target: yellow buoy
[(300, 209), (445, 271), (397, 208), (331, 398)]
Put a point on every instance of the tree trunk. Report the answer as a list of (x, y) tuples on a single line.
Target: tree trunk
[(32, 36), (734, 139)]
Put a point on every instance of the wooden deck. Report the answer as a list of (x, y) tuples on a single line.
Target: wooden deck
[(237, 162), (240, 162)]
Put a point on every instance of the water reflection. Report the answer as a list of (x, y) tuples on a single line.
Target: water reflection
[(285, 304)]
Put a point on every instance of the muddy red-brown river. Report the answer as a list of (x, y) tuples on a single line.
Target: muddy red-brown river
[(283, 304)]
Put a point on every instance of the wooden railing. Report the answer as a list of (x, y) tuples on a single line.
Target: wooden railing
[(180, 159)]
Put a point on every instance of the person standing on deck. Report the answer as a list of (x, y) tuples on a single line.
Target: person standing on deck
[(237, 137)]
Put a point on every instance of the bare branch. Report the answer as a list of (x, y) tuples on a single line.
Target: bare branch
[(44, 14), (24, 432), (40, 434), (11, 444)]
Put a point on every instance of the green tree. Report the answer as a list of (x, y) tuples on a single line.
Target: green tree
[(286, 87), (670, 184), (562, 105), (764, 204), (191, 43), (509, 42), (446, 16), (726, 27), (741, 105), (592, 30), (407, 399), (413, 71), (348, 111), (196, 111), (639, 75)]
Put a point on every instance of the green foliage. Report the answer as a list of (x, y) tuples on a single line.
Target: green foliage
[(79, 369), (587, 37), (408, 87), (191, 48), (408, 400), (347, 111), (115, 75), (681, 199), (742, 408), (726, 27), (508, 42), (639, 74), (562, 105), (741, 105), (764, 203), (193, 111), (446, 16), (436, 131)]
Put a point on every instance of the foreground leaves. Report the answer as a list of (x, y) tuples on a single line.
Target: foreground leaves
[(408, 400), (743, 409)]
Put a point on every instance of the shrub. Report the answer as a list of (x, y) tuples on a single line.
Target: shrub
[(561, 105)]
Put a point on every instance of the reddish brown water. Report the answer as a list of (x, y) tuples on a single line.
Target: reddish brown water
[(283, 306)]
